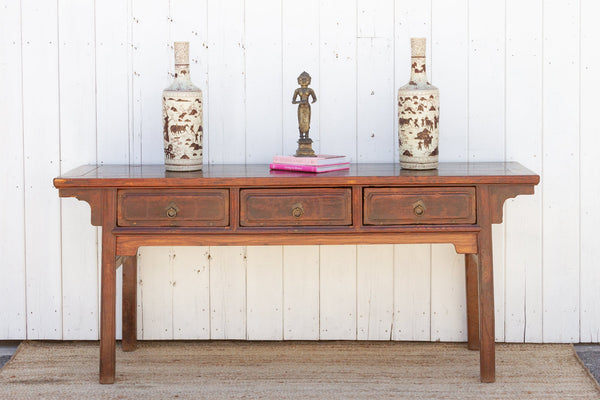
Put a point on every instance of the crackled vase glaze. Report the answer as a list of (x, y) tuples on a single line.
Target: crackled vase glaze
[(418, 115), (182, 117)]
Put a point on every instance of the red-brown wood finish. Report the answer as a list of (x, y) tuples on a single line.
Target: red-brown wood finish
[(295, 207), (464, 242), (187, 207), (248, 205), (108, 288), (129, 315), (487, 332), (422, 205), (472, 287)]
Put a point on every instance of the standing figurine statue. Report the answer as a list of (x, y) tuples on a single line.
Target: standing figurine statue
[(304, 92)]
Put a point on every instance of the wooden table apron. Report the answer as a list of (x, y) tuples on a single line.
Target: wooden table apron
[(249, 205)]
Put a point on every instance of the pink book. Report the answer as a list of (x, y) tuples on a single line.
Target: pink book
[(321, 159), (311, 168)]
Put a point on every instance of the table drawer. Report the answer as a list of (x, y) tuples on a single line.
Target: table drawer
[(288, 207), (184, 207), (429, 205)]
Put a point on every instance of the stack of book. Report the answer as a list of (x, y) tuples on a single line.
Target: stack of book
[(320, 163)]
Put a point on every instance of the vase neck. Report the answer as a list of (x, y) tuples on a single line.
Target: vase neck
[(182, 73), (181, 51), (418, 74)]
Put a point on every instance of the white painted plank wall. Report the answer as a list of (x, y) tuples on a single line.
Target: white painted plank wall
[(487, 113), (228, 292), (12, 206), (226, 91), (77, 146), (41, 147), (518, 82), (191, 292), (561, 164), (264, 293), (412, 265), (412, 292), (300, 52), (523, 276), (590, 171), (301, 292), (449, 62), (114, 105)]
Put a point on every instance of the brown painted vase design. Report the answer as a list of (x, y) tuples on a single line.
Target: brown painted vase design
[(182, 117), (418, 115)]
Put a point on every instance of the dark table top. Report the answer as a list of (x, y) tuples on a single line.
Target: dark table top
[(155, 175)]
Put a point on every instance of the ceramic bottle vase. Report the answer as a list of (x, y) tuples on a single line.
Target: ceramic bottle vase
[(182, 117), (418, 115)]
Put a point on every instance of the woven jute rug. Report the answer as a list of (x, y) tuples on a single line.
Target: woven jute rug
[(295, 370)]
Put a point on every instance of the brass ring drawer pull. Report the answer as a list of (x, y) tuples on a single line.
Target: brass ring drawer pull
[(172, 210), (298, 210), (419, 208)]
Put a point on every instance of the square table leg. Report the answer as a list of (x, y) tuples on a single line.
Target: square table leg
[(487, 337), (129, 331), (108, 290), (472, 285)]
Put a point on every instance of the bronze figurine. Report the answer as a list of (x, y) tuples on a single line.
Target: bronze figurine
[(304, 92)]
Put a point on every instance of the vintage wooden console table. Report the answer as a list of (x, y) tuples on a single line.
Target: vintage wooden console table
[(250, 205)]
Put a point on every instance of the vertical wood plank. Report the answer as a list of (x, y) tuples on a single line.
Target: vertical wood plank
[(375, 81), (486, 80), (80, 307), (301, 292), (487, 35), (114, 108), (77, 146), (42, 155), (450, 73), (128, 302), (337, 103), (263, 81), (561, 228), (113, 81), (119, 297), (228, 292), (300, 52), (152, 62), (448, 300), (590, 173), (108, 287), (140, 297), (412, 316), (264, 284), (374, 291), (191, 293), (338, 293), (523, 215), (498, 256), (191, 278), (189, 23), (156, 276), (412, 292), (226, 86), (472, 283), (416, 20), (412, 19), (485, 275), (12, 211)]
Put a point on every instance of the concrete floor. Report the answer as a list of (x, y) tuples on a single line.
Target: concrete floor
[(588, 353), (7, 349)]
